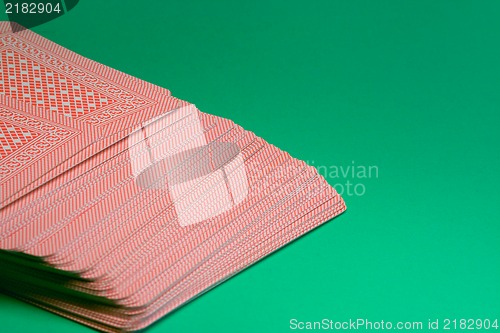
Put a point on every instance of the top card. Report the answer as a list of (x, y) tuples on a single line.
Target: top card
[(57, 108)]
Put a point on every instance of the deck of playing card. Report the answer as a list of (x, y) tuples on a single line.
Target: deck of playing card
[(120, 202)]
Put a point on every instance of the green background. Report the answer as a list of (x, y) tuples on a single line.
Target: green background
[(411, 87)]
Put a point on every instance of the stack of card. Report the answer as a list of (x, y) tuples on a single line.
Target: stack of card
[(119, 202)]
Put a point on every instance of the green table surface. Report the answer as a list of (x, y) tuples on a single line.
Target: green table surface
[(408, 88)]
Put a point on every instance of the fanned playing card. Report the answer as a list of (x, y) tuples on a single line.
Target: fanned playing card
[(115, 220)]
